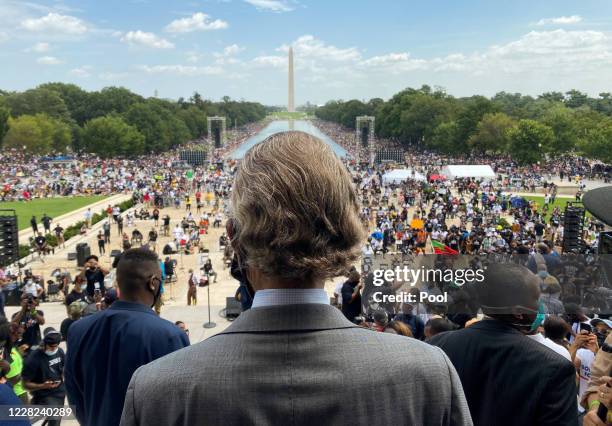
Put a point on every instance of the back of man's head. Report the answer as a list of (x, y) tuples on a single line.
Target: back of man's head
[(507, 285), (135, 270), (295, 209)]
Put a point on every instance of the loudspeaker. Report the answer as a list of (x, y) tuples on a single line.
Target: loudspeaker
[(573, 228), (9, 239), (233, 308), (365, 131), (83, 252), (217, 136)]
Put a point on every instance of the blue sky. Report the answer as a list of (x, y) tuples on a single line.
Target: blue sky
[(343, 49)]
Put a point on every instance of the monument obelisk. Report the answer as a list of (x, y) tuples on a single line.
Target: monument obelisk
[(290, 104)]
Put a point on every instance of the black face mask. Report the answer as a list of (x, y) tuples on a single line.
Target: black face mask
[(156, 294)]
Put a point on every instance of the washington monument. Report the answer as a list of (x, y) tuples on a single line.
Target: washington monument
[(290, 103)]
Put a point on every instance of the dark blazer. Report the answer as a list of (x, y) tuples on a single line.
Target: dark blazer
[(298, 365), (510, 379)]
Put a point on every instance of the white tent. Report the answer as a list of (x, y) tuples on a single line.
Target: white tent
[(400, 175), (481, 171)]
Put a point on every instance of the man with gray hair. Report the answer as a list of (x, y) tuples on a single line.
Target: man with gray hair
[(292, 358)]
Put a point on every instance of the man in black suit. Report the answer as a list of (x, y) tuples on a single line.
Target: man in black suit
[(508, 378)]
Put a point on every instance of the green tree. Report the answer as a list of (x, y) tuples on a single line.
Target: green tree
[(34, 134), (195, 120), (111, 136), (444, 138), (561, 120), (528, 140), (596, 143), (35, 101), (492, 133), (4, 120)]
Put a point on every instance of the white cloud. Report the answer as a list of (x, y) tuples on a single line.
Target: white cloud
[(196, 22), (395, 63), (184, 70), (49, 60), (561, 20), (273, 5), (141, 38), (55, 23), (112, 76), (39, 48), (270, 61), (4, 37), (231, 50), (82, 72), (309, 47)]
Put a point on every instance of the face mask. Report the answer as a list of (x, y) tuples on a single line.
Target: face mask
[(539, 319), (156, 294), (51, 353)]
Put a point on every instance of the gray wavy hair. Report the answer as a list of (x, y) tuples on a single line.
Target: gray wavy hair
[(295, 209)]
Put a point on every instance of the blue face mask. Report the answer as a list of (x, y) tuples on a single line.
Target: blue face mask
[(539, 319)]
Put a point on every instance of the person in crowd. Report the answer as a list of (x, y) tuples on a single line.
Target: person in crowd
[(556, 329), (32, 288), (182, 326), (34, 225), (95, 364), (153, 239), (75, 309), (417, 327), (208, 270), (101, 243), (289, 243), (586, 348), (398, 327), (46, 221), (15, 359), (9, 399), (59, 236), (94, 275), (489, 353), (77, 293), (106, 230), (169, 265), (351, 296), (192, 288), (40, 243), (30, 318), (436, 325), (43, 373), (598, 389)]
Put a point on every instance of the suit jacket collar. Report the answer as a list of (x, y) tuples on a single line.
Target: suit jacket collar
[(304, 317), (494, 325)]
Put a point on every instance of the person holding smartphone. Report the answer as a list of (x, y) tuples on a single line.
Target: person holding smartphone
[(43, 373), (94, 275)]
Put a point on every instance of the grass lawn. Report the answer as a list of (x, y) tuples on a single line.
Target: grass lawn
[(53, 207), (559, 202)]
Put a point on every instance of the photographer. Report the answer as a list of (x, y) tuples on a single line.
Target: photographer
[(43, 373), (30, 319), (94, 274)]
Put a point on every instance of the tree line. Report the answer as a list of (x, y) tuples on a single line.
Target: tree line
[(524, 127), (59, 117)]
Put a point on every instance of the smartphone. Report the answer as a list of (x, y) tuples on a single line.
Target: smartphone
[(586, 327)]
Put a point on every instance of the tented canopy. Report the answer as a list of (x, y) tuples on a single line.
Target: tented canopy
[(481, 171), (400, 175)]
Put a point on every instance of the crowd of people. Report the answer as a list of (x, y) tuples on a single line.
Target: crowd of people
[(533, 333)]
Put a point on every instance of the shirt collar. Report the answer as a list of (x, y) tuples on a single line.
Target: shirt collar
[(289, 296), (131, 306)]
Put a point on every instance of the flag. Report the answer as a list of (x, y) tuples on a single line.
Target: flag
[(440, 248)]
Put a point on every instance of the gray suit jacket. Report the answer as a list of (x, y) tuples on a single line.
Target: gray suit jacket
[(298, 365)]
